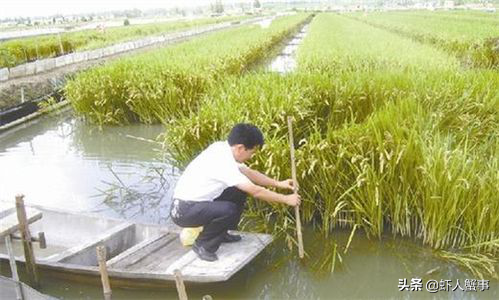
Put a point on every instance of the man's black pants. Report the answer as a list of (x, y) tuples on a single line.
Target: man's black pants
[(216, 217)]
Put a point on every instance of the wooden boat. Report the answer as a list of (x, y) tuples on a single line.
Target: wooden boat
[(137, 254)]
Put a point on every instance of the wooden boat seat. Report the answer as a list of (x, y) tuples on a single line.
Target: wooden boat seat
[(9, 224), (115, 239), (146, 253)]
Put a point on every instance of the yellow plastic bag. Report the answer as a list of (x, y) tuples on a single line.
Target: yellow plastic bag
[(189, 235)]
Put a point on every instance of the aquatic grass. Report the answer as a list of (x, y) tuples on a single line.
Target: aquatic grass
[(386, 51), (265, 100), (473, 41), (480, 265), (383, 145), (172, 80), (372, 173)]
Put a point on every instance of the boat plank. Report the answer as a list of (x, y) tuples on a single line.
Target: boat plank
[(10, 224), (113, 261), (145, 254), (161, 258), (169, 256), (231, 257)]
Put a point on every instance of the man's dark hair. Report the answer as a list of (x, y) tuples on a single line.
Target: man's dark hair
[(245, 134)]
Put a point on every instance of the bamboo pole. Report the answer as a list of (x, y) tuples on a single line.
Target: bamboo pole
[(29, 256), (301, 252), (101, 258), (13, 267), (182, 294)]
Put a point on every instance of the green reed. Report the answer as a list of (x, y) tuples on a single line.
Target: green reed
[(387, 141), (163, 84), (393, 138), (473, 39)]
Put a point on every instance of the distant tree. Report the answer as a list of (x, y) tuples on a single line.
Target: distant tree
[(126, 22), (256, 4)]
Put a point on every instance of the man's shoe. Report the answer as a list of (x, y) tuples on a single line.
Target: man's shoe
[(231, 237), (203, 253)]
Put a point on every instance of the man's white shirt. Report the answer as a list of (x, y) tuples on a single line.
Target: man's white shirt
[(209, 174)]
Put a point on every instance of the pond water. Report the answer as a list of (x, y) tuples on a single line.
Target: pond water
[(59, 161)]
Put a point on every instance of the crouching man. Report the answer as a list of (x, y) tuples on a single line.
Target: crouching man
[(212, 190)]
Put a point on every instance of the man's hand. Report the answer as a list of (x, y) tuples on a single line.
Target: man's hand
[(293, 199), (262, 193), (286, 184)]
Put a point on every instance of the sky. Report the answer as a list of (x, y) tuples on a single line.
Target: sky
[(32, 8)]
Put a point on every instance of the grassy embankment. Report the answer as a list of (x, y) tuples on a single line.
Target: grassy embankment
[(19, 51)]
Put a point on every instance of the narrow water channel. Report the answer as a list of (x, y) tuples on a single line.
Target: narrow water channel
[(285, 62), (59, 161)]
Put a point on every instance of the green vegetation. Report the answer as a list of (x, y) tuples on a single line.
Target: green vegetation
[(164, 84), (19, 51), (393, 135), (473, 38)]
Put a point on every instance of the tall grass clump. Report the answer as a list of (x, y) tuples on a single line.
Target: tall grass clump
[(391, 170), (263, 99), (160, 85), (388, 141)]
